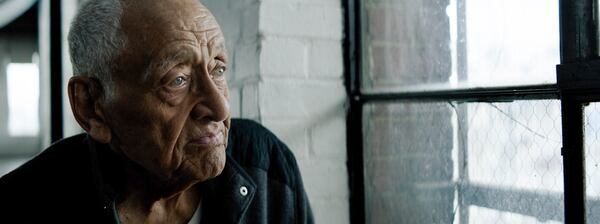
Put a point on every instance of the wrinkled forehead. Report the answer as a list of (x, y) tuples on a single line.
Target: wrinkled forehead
[(161, 21)]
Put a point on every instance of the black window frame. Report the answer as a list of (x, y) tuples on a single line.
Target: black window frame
[(56, 71), (578, 82)]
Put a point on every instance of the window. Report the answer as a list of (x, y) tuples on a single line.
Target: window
[(23, 91), (22, 106), (458, 113), (32, 82)]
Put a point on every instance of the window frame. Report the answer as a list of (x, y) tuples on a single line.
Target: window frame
[(577, 85), (56, 71)]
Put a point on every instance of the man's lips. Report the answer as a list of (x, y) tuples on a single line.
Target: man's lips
[(208, 139)]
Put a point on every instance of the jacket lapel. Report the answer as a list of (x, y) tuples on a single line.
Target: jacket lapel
[(227, 197)]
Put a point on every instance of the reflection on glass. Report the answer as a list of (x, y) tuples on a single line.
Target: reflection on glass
[(446, 158), (494, 216), (512, 42), (440, 44), (23, 86), (592, 162)]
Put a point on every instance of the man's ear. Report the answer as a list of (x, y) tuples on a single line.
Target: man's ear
[(85, 95)]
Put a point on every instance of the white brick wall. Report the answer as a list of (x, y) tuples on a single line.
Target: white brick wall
[(283, 57), (296, 19), (287, 73)]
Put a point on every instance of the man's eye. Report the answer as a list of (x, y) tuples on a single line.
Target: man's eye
[(219, 72), (178, 82)]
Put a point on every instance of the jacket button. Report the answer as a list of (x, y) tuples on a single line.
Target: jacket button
[(243, 190)]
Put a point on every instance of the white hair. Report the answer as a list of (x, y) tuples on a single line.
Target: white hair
[(96, 39)]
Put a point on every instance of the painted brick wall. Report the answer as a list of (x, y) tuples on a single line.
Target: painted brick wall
[(408, 146), (287, 74)]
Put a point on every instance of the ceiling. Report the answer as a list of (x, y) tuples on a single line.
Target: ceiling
[(12, 9)]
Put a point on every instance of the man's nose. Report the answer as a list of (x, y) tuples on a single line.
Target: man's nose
[(213, 104)]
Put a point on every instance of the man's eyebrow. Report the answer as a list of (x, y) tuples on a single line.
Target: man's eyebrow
[(219, 48), (165, 63)]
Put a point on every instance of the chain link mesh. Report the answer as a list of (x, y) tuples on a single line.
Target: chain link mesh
[(592, 161), (463, 163)]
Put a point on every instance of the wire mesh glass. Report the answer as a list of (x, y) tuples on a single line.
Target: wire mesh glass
[(447, 162), (592, 162), (442, 44)]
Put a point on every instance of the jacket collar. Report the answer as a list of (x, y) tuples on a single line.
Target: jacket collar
[(226, 198)]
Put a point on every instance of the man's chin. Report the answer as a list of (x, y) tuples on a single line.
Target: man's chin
[(212, 166)]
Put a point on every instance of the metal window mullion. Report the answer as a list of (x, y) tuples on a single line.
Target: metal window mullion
[(354, 126), (56, 104), (4, 107), (573, 160), (490, 94), (578, 45)]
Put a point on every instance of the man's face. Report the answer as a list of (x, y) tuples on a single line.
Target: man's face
[(170, 113)]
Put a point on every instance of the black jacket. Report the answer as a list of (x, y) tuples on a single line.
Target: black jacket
[(75, 180)]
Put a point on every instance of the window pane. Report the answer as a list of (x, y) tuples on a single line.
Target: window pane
[(23, 108), (443, 162), (487, 215), (23, 85), (441, 44), (592, 162)]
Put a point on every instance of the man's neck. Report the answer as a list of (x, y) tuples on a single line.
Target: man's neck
[(145, 200), (177, 209)]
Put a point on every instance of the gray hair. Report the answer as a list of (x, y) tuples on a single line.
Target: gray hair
[(96, 39)]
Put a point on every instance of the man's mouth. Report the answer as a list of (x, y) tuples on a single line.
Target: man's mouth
[(211, 139)]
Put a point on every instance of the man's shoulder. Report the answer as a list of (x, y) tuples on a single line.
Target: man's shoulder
[(55, 183), (246, 129), (60, 162), (253, 145)]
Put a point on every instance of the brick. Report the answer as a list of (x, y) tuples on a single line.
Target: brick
[(282, 57), (408, 157), (320, 3), (301, 99), (391, 129), (393, 66), (232, 28), (329, 138), (282, 18), (405, 39), (388, 174), (230, 52), (235, 102), (249, 100), (408, 21), (330, 210), (325, 59), (216, 7), (229, 24), (240, 4), (424, 206), (246, 61), (294, 133), (385, 23), (324, 178), (249, 21)]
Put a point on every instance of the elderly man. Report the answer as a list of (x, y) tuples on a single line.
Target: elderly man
[(150, 91)]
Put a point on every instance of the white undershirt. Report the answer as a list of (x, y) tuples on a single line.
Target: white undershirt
[(196, 217), (194, 220)]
